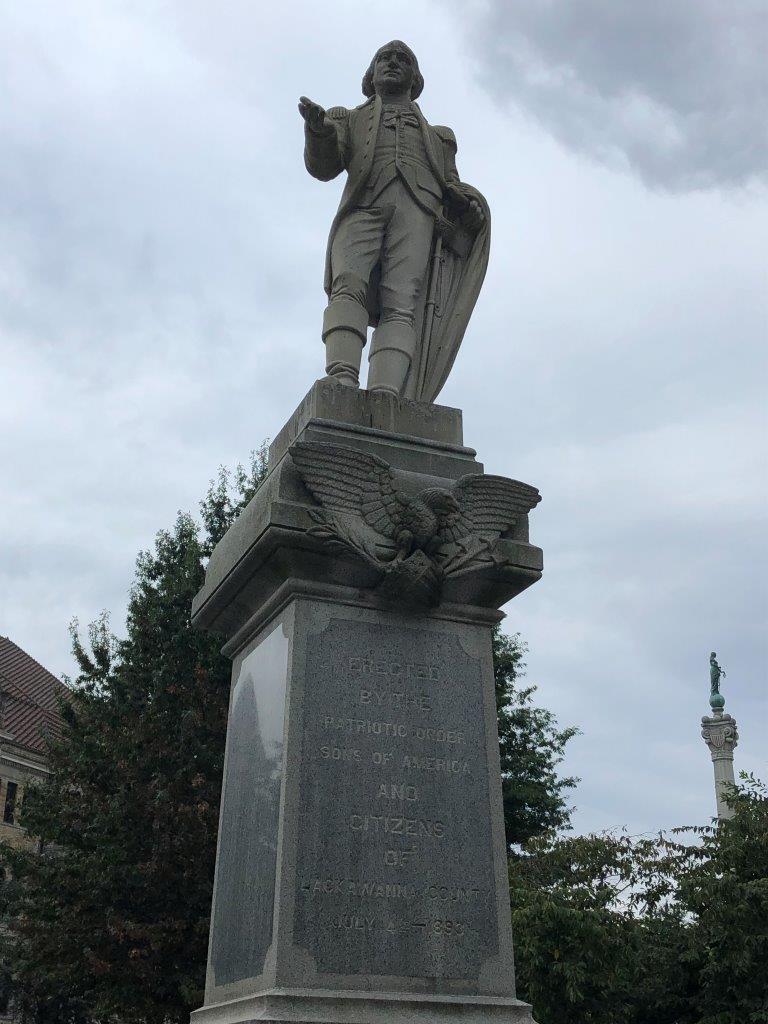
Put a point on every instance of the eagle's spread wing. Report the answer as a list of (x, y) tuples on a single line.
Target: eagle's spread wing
[(347, 480), (488, 505)]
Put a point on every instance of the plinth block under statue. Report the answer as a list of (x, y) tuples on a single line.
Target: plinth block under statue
[(408, 248)]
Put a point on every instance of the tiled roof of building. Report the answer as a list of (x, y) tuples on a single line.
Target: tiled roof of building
[(29, 698)]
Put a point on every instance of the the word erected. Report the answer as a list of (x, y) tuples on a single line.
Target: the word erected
[(394, 669)]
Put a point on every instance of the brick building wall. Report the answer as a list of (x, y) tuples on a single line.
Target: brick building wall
[(30, 698)]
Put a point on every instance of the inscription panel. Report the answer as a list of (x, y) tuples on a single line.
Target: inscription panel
[(395, 861)]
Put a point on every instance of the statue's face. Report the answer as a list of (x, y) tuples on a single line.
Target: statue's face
[(442, 502), (393, 71)]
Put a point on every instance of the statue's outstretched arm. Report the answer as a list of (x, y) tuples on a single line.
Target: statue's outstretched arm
[(325, 136)]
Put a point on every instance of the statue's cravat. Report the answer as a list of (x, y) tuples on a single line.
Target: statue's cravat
[(394, 117)]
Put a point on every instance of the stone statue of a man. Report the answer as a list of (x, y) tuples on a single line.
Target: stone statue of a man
[(408, 247)]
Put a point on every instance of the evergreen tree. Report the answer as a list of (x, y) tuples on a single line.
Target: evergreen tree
[(531, 747), (112, 919)]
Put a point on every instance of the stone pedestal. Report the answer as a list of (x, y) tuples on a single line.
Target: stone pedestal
[(361, 873), (721, 736)]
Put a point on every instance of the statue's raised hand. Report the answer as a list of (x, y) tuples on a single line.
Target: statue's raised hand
[(313, 114)]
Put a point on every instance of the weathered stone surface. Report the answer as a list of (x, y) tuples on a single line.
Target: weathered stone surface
[(330, 403), (361, 846), (395, 873), (241, 931), (270, 543), (416, 541), (307, 1006), (361, 872)]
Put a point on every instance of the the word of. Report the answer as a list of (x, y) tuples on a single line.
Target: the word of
[(399, 858)]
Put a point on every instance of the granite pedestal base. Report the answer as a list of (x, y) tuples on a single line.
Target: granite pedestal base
[(304, 1006), (361, 872)]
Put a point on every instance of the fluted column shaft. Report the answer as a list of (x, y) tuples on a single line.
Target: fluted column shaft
[(721, 736)]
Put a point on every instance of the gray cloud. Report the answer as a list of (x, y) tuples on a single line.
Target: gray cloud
[(161, 252), (672, 89)]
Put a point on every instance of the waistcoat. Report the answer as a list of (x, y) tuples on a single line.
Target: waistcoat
[(401, 152)]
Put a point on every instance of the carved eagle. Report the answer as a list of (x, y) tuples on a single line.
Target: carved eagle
[(347, 480)]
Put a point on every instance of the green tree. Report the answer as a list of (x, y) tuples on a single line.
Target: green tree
[(531, 747), (723, 886), (670, 929), (589, 915), (113, 918)]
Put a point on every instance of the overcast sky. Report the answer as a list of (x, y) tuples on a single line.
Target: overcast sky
[(161, 252)]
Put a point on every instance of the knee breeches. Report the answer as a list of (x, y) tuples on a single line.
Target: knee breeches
[(396, 233)]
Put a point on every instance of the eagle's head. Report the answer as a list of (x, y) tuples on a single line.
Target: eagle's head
[(439, 501)]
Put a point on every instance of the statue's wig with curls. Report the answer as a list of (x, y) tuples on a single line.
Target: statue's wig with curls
[(418, 80)]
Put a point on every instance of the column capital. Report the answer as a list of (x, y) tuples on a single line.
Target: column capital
[(720, 734)]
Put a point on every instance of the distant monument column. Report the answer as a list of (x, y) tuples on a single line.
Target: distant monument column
[(721, 736)]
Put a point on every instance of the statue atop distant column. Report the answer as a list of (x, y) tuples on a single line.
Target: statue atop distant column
[(715, 672), (408, 248), (719, 732)]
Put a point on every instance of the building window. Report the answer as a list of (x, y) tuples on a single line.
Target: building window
[(9, 814)]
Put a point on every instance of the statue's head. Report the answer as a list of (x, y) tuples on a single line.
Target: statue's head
[(441, 502), (712, 656), (394, 69)]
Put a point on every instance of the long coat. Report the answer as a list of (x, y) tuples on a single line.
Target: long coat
[(348, 142)]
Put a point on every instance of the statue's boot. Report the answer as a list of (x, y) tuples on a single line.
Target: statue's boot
[(392, 348), (345, 326)]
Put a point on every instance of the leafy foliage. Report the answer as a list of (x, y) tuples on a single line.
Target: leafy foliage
[(670, 929), (115, 912), (577, 907), (725, 888), (531, 746)]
